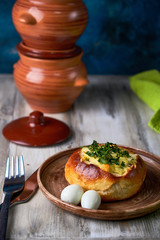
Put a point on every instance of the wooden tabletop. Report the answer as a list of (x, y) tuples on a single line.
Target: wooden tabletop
[(107, 110)]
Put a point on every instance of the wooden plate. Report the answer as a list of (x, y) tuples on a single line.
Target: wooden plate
[(51, 181)]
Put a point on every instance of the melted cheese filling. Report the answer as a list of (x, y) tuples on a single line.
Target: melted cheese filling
[(114, 169)]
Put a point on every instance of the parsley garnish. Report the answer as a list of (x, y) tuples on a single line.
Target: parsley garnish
[(105, 153), (122, 164)]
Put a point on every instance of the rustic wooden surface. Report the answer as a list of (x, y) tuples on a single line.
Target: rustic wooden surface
[(106, 111)]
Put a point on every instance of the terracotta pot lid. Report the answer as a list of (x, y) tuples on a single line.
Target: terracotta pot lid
[(36, 130), (48, 54)]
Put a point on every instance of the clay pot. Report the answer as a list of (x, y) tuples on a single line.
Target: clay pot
[(50, 24), (50, 85)]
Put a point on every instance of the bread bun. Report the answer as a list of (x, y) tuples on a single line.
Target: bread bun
[(115, 179)]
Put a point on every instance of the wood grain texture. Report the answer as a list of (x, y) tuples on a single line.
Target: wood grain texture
[(106, 111), (50, 24)]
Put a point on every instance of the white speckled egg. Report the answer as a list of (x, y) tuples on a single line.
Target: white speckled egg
[(91, 199), (72, 194)]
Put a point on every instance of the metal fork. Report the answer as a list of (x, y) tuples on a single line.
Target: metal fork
[(14, 182)]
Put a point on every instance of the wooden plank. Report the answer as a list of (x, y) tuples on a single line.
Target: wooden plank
[(7, 104), (106, 111)]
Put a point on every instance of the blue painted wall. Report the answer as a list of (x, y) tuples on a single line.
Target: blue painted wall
[(122, 36)]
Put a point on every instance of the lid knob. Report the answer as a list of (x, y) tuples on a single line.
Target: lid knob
[(36, 118)]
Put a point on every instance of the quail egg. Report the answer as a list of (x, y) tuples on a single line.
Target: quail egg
[(72, 194), (91, 199)]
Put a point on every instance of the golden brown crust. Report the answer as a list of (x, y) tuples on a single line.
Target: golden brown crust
[(110, 187)]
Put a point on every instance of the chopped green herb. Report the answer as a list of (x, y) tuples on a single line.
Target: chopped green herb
[(105, 153), (122, 164)]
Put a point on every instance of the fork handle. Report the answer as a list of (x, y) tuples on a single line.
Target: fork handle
[(4, 216)]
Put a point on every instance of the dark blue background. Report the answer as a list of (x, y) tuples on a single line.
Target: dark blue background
[(122, 36)]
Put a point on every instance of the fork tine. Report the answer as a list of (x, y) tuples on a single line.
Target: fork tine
[(11, 184), (12, 167), (22, 165), (17, 166), (7, 168)]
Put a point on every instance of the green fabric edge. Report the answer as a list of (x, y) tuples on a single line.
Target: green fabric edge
[(151, 76), (154, 122), (146, 85), (146, 91)]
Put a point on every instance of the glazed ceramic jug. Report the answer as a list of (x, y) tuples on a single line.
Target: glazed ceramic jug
[(50, 85), (50, 24)]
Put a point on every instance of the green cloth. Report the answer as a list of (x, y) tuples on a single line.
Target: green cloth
[(147, 87), (154, 122)]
